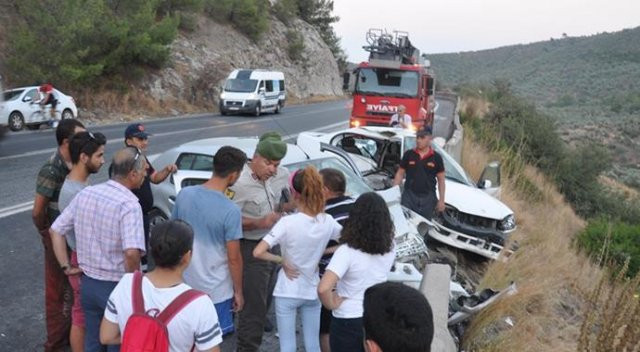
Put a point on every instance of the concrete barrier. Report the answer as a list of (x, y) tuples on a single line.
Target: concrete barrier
[(435, 286), (453, 133)]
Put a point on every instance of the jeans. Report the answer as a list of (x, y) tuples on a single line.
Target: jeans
[(286, 309), (346, 335), (423, 204), (94, 295)]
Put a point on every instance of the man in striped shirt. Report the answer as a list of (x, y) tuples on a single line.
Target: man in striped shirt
[(107, 221), (338, 205)]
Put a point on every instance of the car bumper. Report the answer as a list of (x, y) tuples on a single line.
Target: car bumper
[(247, 107), (466, 242)]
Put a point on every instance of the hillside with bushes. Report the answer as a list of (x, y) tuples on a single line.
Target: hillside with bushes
[(589, 85), (155, 57)]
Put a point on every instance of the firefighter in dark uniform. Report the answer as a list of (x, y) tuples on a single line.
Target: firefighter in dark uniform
[(423, 167)]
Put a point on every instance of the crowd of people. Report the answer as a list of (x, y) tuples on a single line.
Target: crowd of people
[(251, 236)]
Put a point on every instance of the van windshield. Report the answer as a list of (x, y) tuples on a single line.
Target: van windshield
[(240, 85)]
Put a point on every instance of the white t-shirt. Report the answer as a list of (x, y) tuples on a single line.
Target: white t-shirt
[(357, 271), (302, 240), (196, 323), (395, 118)]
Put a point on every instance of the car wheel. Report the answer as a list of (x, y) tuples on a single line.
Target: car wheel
[(257, 111), (16, 121), (67, 114), (278, 107), (156, 217)]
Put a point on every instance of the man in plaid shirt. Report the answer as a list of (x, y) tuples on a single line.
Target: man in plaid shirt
[(107, 221)]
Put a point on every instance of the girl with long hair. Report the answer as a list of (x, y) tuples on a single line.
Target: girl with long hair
[(364, 258), (302, 237)]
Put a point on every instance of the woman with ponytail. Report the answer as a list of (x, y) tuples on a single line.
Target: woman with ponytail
[(302, 237)]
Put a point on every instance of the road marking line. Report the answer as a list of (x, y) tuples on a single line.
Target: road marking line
[(22, 207), (120, 140)]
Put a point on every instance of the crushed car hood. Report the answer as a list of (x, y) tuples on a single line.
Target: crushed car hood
[(474, 201)]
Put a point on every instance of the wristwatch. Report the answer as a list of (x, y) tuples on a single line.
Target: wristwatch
[(64, 267)]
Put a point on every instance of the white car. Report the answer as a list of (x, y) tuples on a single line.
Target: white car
[(19, 108), (474, 219), (195, 164)]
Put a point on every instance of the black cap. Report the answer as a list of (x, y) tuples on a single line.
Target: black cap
[(424, 131), (135, 130)]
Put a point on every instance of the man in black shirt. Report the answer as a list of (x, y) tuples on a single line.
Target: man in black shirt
[(338, 205), (423, 167), (136, 136)]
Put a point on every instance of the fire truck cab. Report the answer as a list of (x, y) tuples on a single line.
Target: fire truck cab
[(395, 75)]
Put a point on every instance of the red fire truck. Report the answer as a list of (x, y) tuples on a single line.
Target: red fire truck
[(395, 75)]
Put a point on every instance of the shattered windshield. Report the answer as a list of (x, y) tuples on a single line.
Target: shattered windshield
[(387, 82)]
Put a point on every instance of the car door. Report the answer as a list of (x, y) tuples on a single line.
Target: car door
[(271, 93), (29, 108)]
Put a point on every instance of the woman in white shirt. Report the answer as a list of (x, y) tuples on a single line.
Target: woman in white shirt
[(303, 238), (363, 259)]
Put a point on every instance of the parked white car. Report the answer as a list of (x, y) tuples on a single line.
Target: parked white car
[(195, 164), (474, 219), (19, 108)]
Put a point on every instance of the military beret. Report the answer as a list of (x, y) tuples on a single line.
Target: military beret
[(271, 146)]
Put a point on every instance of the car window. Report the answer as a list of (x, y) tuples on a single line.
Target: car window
[(282, 85), (12, 94), (192, 182), (203, 163), (185, 161), (355, 184), (360, 145), (33, 94), (269, 85)]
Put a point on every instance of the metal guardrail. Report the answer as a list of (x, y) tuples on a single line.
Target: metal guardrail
[(455, 132)]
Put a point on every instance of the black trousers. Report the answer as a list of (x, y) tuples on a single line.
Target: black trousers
[(423, 204)]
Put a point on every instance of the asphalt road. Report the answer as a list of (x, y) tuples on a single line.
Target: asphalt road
[(22, 154)]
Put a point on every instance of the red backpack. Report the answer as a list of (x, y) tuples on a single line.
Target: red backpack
[(146, 331)]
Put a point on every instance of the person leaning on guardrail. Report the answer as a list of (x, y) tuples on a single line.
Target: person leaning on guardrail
[(57, 291)]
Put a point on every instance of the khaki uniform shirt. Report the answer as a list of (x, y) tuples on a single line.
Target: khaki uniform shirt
[(256, 199)]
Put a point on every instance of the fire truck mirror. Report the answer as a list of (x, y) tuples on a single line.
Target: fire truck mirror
[(430, 83), (346, 81)]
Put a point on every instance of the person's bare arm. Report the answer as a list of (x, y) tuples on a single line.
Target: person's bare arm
[(265, 222), (39, 213), (235, 267), (109, 333), (397, 180), (331, 250), (61, 253), (162, 175), (441, 188), (131, 260), (328, 296), (262, 252)]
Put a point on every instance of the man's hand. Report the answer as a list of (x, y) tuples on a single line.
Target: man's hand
[(270, 219), (238, 301), (440, 206), (73, 270), (171, 169), (290, 270)]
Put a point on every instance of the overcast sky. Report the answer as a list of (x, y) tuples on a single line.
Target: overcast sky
[(463, 25)]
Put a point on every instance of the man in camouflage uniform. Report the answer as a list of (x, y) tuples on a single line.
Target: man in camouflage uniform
[(58, 294)]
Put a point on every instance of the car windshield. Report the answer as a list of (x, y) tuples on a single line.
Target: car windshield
[(387, 82), (355, 185), (11, 94), (240, 85), (452, 170)]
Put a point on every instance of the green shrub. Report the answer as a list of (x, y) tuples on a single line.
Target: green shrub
[(620, 239), (285, 10), (250, 17), (296, 45)]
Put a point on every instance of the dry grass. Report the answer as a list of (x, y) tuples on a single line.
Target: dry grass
[(619, 187), (474, 106), (553, 279)]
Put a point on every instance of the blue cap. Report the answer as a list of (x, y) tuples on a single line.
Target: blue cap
[(135, 130), (424, 131)]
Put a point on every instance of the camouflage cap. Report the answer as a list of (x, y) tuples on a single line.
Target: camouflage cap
[(271, 146)]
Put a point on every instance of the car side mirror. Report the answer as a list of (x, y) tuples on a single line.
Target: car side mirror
[(346, 79), (485, 184), (27, 99), (261, 91)]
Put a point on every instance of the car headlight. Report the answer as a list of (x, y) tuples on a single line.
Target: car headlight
[(508, 223)]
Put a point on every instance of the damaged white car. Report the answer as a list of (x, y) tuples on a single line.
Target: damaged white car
[(474, 219), (195, 165)]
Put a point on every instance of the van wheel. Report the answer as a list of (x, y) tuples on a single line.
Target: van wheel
[(278, 107), (257, 111)]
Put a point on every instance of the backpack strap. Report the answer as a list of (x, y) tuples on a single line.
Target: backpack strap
[(136, 293), (178, 304)]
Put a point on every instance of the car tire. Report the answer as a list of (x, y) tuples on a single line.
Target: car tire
[(156, 217), (278, 107), (257, 111), (66, 114), (16, 121)]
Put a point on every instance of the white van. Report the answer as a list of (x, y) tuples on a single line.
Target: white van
[(253, 91)]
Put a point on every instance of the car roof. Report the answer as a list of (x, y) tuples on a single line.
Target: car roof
[(210, 146)]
